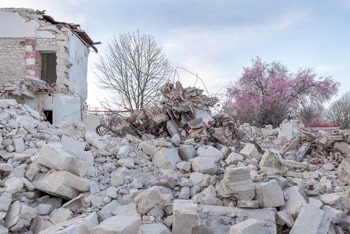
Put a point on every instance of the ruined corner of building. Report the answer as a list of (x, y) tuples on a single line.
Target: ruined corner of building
[(44, 63)]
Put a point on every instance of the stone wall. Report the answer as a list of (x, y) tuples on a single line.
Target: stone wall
[(12, 58)]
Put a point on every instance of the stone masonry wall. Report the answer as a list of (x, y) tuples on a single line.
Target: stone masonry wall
[(12, 58)]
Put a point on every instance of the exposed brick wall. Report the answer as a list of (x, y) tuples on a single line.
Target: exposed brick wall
[(31, 62), (12, 59)]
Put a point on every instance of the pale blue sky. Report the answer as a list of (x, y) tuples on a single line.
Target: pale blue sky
[(215, 39)]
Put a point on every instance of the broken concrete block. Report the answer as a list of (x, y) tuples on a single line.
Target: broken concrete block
[(118, 225), (13, 185), (185, 217), (106, 211), (127, 162), (55, 157), (166, 158), (73, 146), (255, 226), (272, 162), (210, 151), (184, 166), (344, 171), (123, 152), (6, 103), (283, 218), (294, 202), (234, 158), (312, 219), (200, 179), (148, 148), (187, 152), (184, 193), (44, 209), (81, 224), (61, 183), (269, 194), (3, 230), (13, 215), (18, 143), (250, 151), (61, 214), (248, 204), (288, 130), (153, 228), (95, 140), (19, 216), (333, 213), (204, 165), (342, 147), (209, 196), (118, 176), (6, 166), (5, 201), (237, 183), (148, 199), (128, 210)]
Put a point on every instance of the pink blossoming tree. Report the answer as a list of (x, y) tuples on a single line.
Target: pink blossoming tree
[(268, 93)]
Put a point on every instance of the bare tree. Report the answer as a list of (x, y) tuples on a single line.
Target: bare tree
[(133, 68), (339, 111)]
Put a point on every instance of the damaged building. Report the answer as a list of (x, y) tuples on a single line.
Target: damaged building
[(44, 63)]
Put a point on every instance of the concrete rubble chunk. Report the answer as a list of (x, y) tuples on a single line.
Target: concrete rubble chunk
[(73, 146), (54, 156), (13, 185), (295, 201), (118, 225), (253, 226), (81, 224), (106, 211), (187, 152), (205, 165), (269, 194), (118, 176), (342, 147), (148, 148), (344, 171), (210, 151), (61, 214), (19, 216), (3, 230), (272, 162), (61, 183), (5, 201), (237, 183), (312, 219), (166, 158), (288, 130), (95, 140), (250, 151), (148, 199), (185, 217), (6, 166), (153, 228), (128, 210), (13, 215)]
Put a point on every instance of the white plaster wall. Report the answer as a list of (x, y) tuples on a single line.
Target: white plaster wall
[(64, 108), (78, 57), (16, 27)]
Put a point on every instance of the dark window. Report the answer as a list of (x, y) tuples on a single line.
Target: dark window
[(48, 67), (48, 115)]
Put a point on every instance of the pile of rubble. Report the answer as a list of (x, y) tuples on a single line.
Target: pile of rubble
[(184, 113), (66, 179)]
